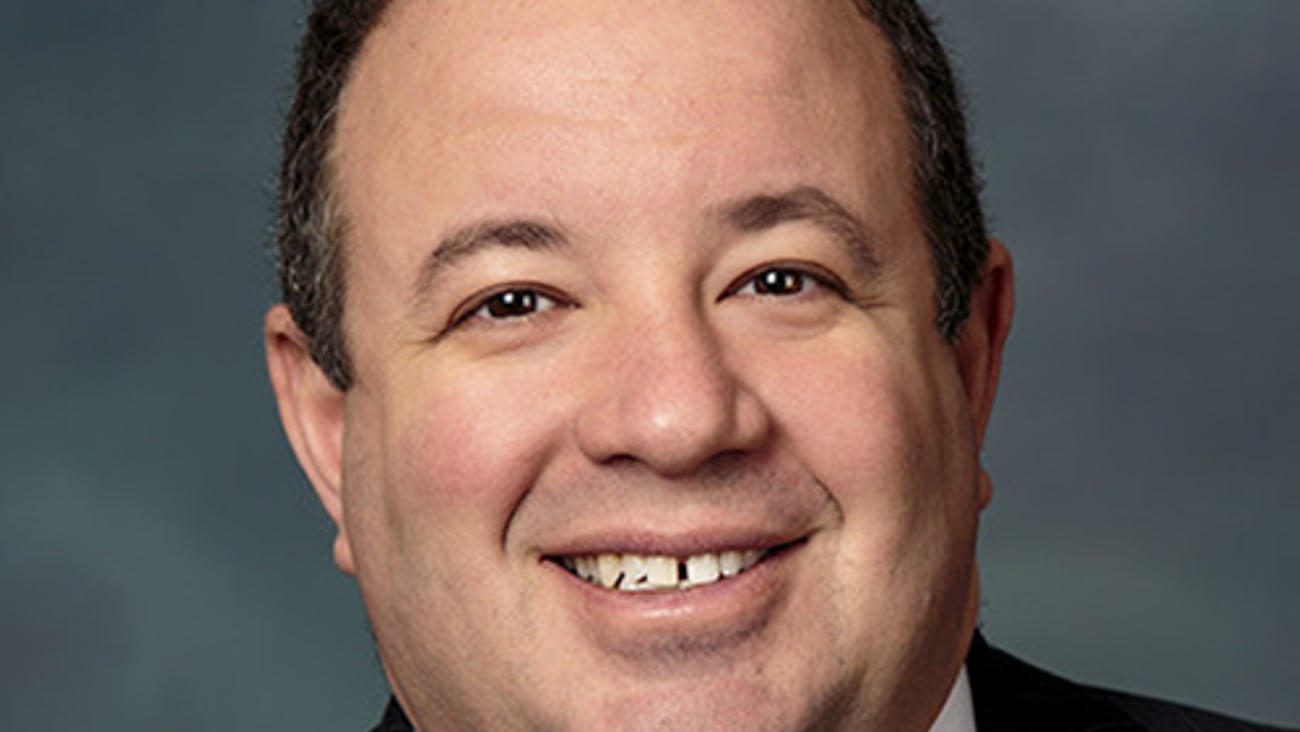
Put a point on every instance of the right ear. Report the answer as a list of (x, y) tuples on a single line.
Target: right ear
[(311, 411)]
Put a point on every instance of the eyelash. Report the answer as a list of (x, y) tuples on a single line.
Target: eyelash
[(809, 275), (537, 300), (534, 299)]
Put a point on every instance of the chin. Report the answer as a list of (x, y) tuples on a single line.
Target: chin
[(736, 703)]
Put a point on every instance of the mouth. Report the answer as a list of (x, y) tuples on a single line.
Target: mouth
[(629, 572)]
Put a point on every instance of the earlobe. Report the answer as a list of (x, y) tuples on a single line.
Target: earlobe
[(311, 411), (983, 335)]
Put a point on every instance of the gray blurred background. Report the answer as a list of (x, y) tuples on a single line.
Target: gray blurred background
[(165, 566)]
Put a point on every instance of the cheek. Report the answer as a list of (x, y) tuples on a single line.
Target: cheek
[(439, 464), (878, 424), (471, 445), (855, 419)]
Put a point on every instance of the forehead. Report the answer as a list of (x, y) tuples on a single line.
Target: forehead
[(504, 47), (517, 50), (608, 60), (452, 103)]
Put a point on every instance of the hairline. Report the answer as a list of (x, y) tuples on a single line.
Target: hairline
[(328, 337)]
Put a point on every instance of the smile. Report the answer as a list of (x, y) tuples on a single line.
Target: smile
[(650, 572)]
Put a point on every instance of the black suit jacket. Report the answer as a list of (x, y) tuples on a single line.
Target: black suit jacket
[(1012, 696)]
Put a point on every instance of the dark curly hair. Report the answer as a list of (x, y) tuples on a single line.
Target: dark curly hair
[(311, 229)]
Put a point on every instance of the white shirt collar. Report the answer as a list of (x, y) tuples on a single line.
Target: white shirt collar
[(958, 713)]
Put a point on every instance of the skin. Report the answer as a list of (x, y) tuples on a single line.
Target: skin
[(657, 398)]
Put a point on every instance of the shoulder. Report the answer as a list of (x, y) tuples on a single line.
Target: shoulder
[(1013, 696)]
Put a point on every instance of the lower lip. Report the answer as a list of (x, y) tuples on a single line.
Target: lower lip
[(725, 613)]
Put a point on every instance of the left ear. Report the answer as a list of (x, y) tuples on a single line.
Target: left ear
[(979, 343)]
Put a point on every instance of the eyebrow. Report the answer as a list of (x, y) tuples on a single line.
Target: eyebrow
[(751, 214), (807, 203), (468, 240)]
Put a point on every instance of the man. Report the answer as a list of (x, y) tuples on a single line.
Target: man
[(642, 354)]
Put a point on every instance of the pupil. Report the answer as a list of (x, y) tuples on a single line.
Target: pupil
[(779, 281), (512, 303)]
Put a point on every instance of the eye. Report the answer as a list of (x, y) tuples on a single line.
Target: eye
[(513, 303), (778, 282), (782, 281)]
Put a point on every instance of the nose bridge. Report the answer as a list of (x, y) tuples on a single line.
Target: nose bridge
[(669, 398), (684, 382)]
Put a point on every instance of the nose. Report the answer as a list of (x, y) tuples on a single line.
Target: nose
[(667, 398)]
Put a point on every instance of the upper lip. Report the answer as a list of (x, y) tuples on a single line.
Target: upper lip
[(673, 544)]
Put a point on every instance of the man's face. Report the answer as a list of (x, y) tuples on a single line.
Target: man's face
[(652, 427)]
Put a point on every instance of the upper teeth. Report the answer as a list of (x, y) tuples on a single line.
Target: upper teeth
[(659, 572)]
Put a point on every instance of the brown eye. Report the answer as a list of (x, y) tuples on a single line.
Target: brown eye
[(511, 304), (778, 281), (793, 281), (505, 305)]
